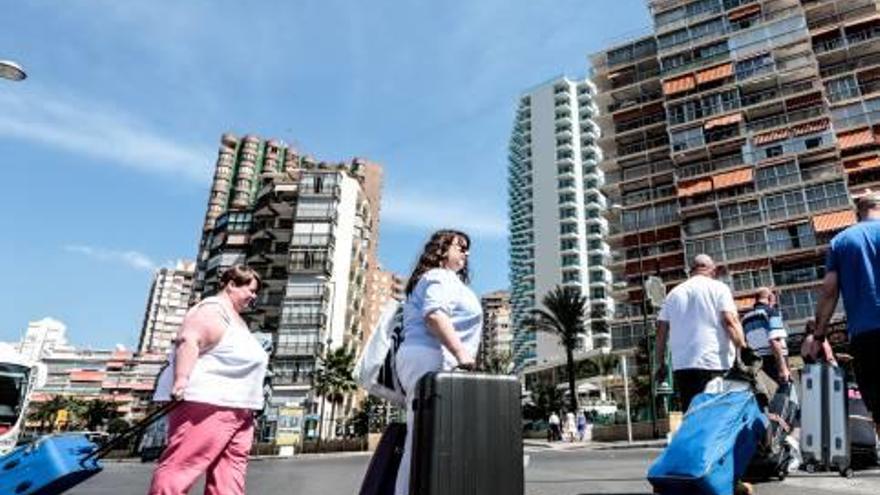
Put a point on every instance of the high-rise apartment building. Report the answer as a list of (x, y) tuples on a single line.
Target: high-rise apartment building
[(557, 227), (497, 337), (307, 228), (166, 307), (741, 129), (43, 337)]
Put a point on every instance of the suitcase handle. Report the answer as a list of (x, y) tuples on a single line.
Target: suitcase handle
[(132, 430)]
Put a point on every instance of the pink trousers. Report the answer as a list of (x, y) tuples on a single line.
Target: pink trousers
[(205, 438)]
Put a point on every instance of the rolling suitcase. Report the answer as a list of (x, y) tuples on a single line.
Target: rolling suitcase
[(862, 436), (824, 419), (712, 447), (55, 463), (467, 435), (381, 474)]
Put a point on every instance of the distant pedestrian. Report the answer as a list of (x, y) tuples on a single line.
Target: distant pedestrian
[(581, 425), (766, 335), (570, 426), (852, 269), (216, 369), (442, 325), (555, 427), (701, 322)]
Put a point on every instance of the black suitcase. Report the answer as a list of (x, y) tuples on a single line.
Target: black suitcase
[(381, 474), (862, 437), (774, 454), (467, 435)]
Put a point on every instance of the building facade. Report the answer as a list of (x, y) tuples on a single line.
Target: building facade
[(557, 226), (124, 378), (497, 339), (308, 228), (743, 130), (42, 338), (169, 299)]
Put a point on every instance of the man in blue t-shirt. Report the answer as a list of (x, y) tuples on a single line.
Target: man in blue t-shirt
[(766, 335), (853, 270)]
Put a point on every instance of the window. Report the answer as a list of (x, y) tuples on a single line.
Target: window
[(754, 66), (706, 29), (745, 244), (568, 197), (711, 51), (777, 175), (752, 279), (567, 212), (841, 89), (791, 237), (594, 244), (710, 246), (701, 225), (798, 304), (680, 113), (596, 260), (567, 244), (687, 138), (771, 151), (572, 276), (566, 183), (665, 18), (567, 228), (719, 102), (671, 39), (828, 195), (597, 293), (739, 214), (569, 260), (784, 205)]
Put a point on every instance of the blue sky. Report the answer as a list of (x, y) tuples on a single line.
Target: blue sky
[(107, 148)]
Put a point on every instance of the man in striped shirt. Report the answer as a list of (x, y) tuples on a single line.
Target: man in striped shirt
[(766, 334)]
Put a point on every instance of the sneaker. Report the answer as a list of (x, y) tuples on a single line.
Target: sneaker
[(743, 488)]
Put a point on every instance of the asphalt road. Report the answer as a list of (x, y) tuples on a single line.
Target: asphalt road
[(550, 472)]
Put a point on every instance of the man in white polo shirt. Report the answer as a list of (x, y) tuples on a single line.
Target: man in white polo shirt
[(701, 322)]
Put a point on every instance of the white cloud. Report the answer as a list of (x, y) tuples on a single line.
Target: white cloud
[(96, 130), (473, 216), (133, 259)]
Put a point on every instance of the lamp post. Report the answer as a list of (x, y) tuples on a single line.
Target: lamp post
[(12, 71)]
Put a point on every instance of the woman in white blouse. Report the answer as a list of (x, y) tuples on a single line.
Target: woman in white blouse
[(442, 323)]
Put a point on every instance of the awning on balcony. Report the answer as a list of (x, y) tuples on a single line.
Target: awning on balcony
[(743, 12), (86, 376), (733, 178), (686, 189), (809, 127), (862, 164), (831, 222), (746, 266), (804, 101), (715, 73), (733, 118), (855, 139), (679, 85), (744, 302), (772, 136)]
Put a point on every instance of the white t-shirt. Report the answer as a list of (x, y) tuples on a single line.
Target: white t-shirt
[(697, 337)]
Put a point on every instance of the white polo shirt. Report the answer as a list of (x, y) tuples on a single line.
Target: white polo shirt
[(697, 338)]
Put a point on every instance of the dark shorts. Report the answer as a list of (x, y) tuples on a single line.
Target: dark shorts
[(690, 382), (866, 365)]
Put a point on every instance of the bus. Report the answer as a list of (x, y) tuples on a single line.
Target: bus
[(18, 379)]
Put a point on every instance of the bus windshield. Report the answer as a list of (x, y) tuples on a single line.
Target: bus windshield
[(13, 394)]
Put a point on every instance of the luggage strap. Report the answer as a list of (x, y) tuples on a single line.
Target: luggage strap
[(135, 429)]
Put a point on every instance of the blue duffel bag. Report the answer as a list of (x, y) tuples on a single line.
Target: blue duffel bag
[(712, 448)]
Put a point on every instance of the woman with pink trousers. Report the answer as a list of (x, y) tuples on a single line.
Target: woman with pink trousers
[(216, 370)]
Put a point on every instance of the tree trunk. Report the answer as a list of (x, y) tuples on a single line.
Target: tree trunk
[(572, 389), (321, 421), (333, 419)]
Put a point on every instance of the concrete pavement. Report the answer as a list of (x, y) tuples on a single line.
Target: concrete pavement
[(567, 471)]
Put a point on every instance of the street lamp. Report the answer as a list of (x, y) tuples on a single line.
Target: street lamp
[(12, 71)]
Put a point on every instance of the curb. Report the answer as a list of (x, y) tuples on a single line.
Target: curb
[(257, 458)]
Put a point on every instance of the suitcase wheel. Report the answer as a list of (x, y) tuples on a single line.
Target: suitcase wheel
[(781, 474), (847, 472), (811, 468)]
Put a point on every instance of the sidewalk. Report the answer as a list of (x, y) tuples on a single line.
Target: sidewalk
[(565, 446)]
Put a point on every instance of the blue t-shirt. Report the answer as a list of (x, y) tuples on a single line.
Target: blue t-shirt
[(855, 255), (440, 289)]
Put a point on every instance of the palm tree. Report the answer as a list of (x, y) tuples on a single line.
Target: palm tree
[(498, 363), (45, 412), (341, 364), (322, 386), (76, 411), (98, 411), (563, 317)]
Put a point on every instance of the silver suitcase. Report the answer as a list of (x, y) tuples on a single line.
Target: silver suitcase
[(824, 419)]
